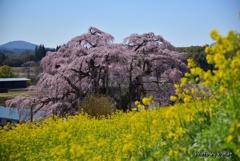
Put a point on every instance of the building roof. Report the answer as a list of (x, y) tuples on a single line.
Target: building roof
[(17, 114), (13, 79)]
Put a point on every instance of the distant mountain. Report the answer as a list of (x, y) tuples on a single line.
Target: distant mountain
[(23, 45)]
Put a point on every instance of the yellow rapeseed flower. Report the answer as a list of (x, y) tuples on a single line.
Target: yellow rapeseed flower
[(163, 144), (187, 99), (173, 98), (193, 91), (184, 150), (127, 147), (191, 63), (183, 82), (180, 131), (200, 120), (139, 106), (186, 91), (156, 154), (214, 34), (230, 138), (154, 122), (231, 128), (137, 103), (187, 74), (146, 101), (171, 152)]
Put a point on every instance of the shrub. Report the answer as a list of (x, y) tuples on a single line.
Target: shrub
[(6, 72), (28, 83), (97, 105)]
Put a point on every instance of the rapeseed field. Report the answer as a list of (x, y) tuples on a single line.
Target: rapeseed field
[(201, 125)]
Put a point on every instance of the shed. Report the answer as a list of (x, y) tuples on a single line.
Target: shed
[(13, 115), (12, 83)]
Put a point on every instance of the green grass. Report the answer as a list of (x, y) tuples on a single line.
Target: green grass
[(12, 94)]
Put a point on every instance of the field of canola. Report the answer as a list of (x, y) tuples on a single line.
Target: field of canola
[(206, 127)]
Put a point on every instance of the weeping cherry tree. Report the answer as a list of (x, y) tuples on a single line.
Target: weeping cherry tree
[(92, 64)]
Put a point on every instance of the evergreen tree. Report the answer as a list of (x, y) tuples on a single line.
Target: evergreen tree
[(2, 57), (40, 52)]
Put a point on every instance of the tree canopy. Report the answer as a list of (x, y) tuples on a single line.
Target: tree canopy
[(2, 57), (198, 55), (6, 72), (91, 63), (16, 60)]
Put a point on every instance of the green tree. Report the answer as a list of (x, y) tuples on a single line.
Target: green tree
[(58, 47), (6, 72), (2, 57), (17, 60), (40, 52), (13, 61), (198, 55)]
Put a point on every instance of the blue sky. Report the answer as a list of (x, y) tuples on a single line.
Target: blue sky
[(55, 22)]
